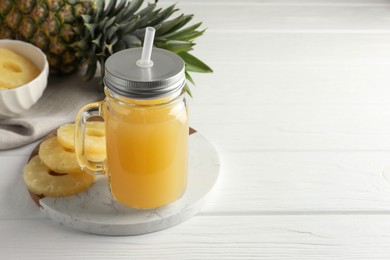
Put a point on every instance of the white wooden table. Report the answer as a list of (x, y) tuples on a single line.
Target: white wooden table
[(299, 111)]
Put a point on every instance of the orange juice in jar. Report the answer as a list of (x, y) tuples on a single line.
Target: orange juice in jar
[(147, 150), (146, 124)]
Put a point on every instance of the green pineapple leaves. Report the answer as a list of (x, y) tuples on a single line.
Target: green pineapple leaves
[(193, 64), (121, 25)]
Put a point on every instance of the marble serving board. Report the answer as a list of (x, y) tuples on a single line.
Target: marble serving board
[(96, 211)]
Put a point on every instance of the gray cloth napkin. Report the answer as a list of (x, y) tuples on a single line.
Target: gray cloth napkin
[(59, 104)]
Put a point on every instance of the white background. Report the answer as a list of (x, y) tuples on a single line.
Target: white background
[(298, 108)]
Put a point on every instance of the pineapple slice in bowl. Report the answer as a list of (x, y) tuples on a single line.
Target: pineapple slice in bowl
[(16, 100)]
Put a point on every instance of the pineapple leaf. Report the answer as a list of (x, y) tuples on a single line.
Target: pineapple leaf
[(166, 26), (175, 46), (97, 40), (147, 10), (191, 36), (128, 11), (109, 23), (119, 46), (91, 69), (163, 15), (90, 73), (82, 44), (108, 47), (144, 22), (99, 9), (92, 57), (113, 41), (128, 27), (194, 64), (100, 25), (111, 32), (186, 19), (173, 25), (178, 35), (188, 90), (86, 18), (189, 78), (134, 6), (91, 29), (130, 40), (110, 8), (119, 7), (140, 33)]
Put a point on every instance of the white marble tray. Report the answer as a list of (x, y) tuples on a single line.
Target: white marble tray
[(95, 211)]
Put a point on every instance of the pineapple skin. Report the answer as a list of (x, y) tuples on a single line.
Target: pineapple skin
[(54, 26)]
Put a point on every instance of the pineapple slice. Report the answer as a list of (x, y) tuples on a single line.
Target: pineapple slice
[(40, 180), (15, 70), (95, 142), (58, 158)]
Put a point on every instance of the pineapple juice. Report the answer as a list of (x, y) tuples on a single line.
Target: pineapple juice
[(146, 122), (145, 142)]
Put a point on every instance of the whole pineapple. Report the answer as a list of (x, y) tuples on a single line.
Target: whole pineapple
[(76, 32)]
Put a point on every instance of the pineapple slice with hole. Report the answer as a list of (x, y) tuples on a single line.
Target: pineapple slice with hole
[(95, 142), (41, 180), (58, 158), (15, 69)]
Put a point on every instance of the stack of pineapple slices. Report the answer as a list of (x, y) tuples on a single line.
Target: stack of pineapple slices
[(55, 172)]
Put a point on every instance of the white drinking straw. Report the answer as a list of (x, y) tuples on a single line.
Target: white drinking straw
[(145, 61)]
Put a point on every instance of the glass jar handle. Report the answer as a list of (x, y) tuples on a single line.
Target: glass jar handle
[(90, 110)]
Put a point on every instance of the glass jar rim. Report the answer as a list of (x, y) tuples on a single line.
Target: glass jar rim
[(176, 96)]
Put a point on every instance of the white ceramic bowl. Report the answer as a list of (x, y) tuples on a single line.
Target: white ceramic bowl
[(18, 100)]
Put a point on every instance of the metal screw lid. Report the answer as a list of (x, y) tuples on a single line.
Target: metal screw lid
[(124, 77)]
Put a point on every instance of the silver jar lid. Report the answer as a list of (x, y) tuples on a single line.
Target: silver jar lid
[(124, 77)]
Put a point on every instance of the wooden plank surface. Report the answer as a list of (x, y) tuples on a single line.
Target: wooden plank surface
[(288, 17), (211, 237), (298, 109), (257, 182), (251, 49)]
